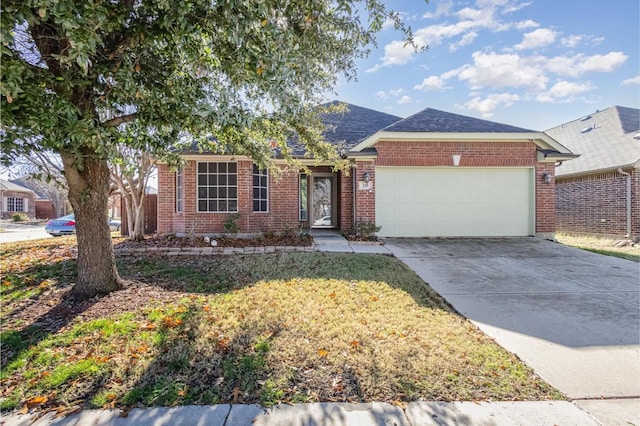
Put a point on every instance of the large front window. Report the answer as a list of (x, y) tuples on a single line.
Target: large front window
[(15, 204), (217, 187), (179, 191)]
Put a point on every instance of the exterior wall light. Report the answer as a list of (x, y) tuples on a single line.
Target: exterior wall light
[(547, 178), (366, 177), (456, 159)]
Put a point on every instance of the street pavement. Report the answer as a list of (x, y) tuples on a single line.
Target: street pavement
[(17, 232)]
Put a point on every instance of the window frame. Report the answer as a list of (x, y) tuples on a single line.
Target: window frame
[(12, 204), (256, 172), (218, 176), (303, 200), (179, 190)]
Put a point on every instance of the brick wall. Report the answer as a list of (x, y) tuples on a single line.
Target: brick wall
[(30, 200), (473, 154), (283, 203), (597, 204), (45, 209)]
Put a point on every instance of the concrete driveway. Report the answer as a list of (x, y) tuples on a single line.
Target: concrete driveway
[(572, 315)]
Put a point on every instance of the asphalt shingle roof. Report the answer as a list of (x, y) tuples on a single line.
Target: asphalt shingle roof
[(433, 120), (350, 127), (5, 185), (605, 140)]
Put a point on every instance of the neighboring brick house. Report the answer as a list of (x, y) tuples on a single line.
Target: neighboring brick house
[(16, 199), (434, 174), (599, 192)]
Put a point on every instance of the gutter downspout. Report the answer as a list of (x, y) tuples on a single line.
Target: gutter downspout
[(628, 175)]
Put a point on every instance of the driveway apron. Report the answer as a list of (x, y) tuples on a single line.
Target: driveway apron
[(571, 315)]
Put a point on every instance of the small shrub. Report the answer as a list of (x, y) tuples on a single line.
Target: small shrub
[(292, 230), (19, 217), (231, 224), (366, 230)]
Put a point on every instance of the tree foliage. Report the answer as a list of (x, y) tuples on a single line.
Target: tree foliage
[(76, 75)]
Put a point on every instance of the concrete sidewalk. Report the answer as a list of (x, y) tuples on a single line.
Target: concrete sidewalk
[(330, 240), (330, 414)]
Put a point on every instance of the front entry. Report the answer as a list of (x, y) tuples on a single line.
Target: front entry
[(323, 200)]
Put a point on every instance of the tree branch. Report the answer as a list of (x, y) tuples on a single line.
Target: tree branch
[(115, 122)]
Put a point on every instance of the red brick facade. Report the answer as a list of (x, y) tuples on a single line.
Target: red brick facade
[(473, 154), (283, 200), (597, 204), (28, 201), (284, 191)]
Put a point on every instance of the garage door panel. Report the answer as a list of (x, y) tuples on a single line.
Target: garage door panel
[(450, 202)]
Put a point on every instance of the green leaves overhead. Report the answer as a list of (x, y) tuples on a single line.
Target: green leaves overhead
[(74, 72)]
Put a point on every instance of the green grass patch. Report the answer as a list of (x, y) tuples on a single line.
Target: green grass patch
[(282, 327), (604, 246)]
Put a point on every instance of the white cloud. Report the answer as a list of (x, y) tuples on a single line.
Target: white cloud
[(487, 105), (525, 25), (580, 64), (397, 92), (503, 70), (537, 38), (431, 84), (515, 7), (466, 39), (404, 100), (564, 91), (442, 9), (571, 41), (633, 80), (395, 53), (381, 94)]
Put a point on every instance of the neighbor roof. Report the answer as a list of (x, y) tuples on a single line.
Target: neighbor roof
[(433, 120), (5, 185), (606, 140)]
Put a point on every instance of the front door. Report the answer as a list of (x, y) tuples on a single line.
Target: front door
[(323, 204)]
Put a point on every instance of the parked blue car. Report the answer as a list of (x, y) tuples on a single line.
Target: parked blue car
[(66, 225)]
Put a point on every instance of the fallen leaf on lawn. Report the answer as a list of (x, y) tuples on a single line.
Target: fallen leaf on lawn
[(355, 343), (236, 394), (36, 401), (171, 322), (125, 412), (66, 412), (337, 385), (323, 353), (332, 295)]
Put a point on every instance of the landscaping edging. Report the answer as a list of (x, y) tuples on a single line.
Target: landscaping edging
[(209, 251)]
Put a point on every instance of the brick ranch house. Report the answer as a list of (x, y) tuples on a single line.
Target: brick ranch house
[(433, 174), (599, 192), (16, 199)]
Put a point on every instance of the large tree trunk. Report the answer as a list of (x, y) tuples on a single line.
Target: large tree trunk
[(88, 195)]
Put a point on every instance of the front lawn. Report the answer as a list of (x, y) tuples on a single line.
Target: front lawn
[(605, 246), (283, 327)]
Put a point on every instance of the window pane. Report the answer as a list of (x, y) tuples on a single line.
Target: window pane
[(263, 193), (202, 205), (222, 192), (202, 192), (233, 205), (263, 206), (213, 180), (202, 167), (233, 192), (213, 192), (256, 193), (202, 179), (213, 167), (263, 181), (256, 205), (232, 179), (213, 206), (222, 206), (256, 180), (222, 180), (222, 167), (232, 167)]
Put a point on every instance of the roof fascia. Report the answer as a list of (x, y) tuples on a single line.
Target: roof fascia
[(540, 138)]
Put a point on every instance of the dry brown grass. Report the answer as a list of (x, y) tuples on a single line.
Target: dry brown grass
[(605, 246), (286, 327)]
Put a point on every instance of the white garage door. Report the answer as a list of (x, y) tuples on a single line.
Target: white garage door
[(454, 202)]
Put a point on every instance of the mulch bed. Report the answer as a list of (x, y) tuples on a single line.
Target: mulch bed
[(175, 241)]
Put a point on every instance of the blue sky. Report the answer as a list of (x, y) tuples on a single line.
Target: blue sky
[(530, 63)]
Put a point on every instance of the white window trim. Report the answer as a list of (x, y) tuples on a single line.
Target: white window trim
[(237, 188), (253, 187)]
